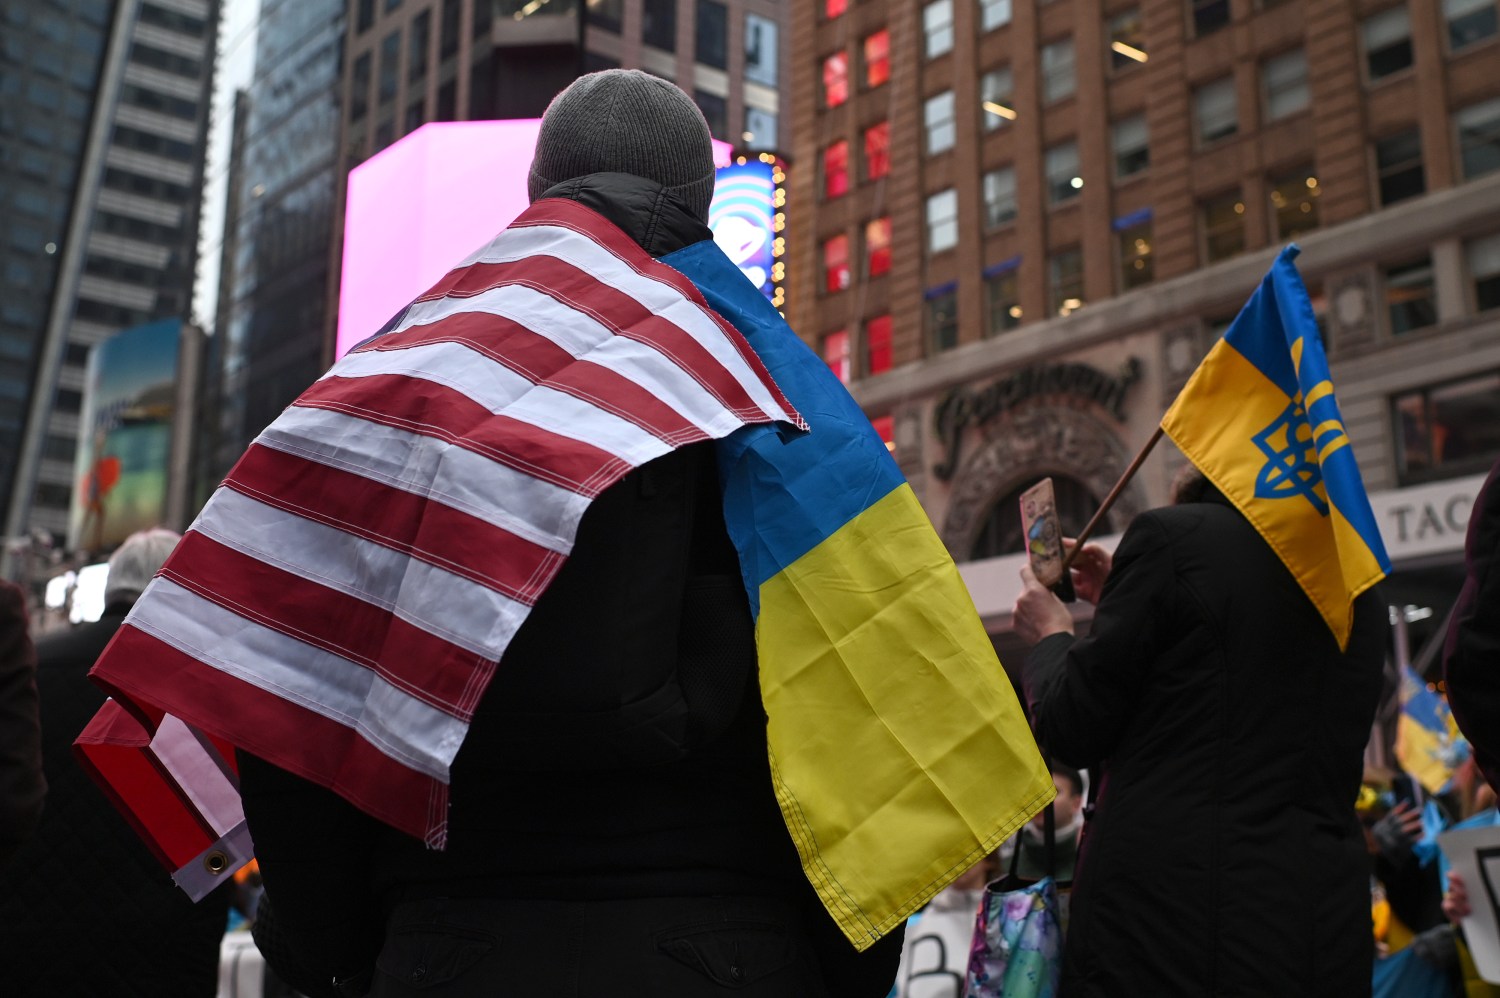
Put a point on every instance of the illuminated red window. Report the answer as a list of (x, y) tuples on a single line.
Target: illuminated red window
[(836, 354), (877, 58), (836, 169), (836, 263), (834, 8), (877, 150), (836, 79), (878, 344), (886, 427), (878, 246)]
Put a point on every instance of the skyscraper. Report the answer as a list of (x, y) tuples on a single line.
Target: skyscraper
[(103, 110), (273, 289)]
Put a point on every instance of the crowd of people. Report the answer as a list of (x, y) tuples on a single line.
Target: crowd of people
[(614, 825)]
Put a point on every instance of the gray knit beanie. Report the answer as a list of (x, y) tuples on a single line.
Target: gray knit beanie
[(626, 121)]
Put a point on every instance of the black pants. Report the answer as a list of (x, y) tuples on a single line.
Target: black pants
[(652, 948)]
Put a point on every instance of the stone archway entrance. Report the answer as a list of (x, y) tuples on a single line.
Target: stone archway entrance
[(1032, 442)]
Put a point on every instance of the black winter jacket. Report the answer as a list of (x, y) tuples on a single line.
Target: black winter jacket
[(1224, 857), (85, 908)]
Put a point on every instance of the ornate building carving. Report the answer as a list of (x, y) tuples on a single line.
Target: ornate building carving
[(1025, 445)]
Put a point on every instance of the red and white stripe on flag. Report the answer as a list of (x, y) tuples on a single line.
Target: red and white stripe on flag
[(340, 604), (176, 789)]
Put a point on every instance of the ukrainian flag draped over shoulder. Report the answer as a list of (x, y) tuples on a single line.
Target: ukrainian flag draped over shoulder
[(898, 749), (1260, 420)]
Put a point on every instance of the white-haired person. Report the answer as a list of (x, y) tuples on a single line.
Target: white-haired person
[(85, 908)]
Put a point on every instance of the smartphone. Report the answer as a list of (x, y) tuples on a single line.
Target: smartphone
[(1044, 546)]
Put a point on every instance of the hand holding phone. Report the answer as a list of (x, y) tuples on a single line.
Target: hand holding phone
[(1044, 541)]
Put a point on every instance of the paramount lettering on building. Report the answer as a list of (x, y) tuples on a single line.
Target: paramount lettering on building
[(963, 407)]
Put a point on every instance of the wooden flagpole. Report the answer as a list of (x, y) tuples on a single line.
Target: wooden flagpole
[(1109, 500)]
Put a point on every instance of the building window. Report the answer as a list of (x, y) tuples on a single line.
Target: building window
[(993, 14), (877, 58), (942, 221), (1479, 138), (1133, 236), (364, 16), (836, 170), (1398, 166), (715, 110), (359, 88), (834, 8), (997, 98), (878, 246), (835, 79), (1484, 270), (760, 129), (1294, 204), (941, 318), (1215, 111), (937, 119), (607, 14), (712, 34), (1002, 299), (1127, 40), (448, 34), (836, 353), (937, 27), (1387, 41), (416, 46), (1284, 84), (659, 24), (999, 197), (877, 150), (1208, 15), (1469, 21), (1058, 77), (836, 276), (1065, 281), (390, 64), (1409, 297), (878, 353), (1063, 179), (1448, 430), (1132, 151), (761, 49), (1223, 226)]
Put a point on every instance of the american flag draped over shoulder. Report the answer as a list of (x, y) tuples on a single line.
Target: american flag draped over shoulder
[(339, 606)]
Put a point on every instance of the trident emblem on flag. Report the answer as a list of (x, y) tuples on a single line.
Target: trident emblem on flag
[(1295, 451)]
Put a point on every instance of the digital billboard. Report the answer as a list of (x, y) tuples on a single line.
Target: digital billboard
[(746, 218), (125, 436), (415, 210)]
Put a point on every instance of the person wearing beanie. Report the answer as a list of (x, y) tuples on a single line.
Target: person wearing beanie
[(612, 826), (85, 907)]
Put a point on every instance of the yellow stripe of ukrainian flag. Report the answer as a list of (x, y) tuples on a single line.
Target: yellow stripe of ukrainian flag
[(878, 616)]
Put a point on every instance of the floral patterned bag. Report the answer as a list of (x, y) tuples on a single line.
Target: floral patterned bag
[(1018, 935)]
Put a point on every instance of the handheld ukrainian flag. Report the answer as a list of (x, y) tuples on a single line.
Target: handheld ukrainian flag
[(1260, 420), (1428, 743), (898, 749)]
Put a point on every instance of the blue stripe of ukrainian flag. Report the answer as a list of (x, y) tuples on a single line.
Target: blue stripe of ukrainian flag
[(898, 749), (1260, 420)]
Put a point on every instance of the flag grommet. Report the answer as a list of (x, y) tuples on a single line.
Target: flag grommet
[(216, 862)]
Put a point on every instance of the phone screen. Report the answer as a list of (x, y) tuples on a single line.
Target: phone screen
[(1044, 546)]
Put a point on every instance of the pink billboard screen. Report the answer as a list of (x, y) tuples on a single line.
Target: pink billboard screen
[(418, 208)]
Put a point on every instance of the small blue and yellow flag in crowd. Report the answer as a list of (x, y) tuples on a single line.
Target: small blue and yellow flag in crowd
[(899, 752), (1260, 420), (1428, 743)]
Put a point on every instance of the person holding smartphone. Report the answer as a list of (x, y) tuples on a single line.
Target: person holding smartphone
[(1227, 730)]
